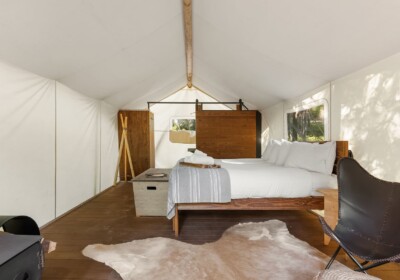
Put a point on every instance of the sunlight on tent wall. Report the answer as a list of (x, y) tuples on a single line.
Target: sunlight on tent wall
[(275, 118), (366, 111), (272, 123)]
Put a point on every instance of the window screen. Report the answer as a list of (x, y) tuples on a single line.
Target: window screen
[(307, 125)]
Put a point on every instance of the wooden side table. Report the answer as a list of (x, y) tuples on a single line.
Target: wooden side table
[(331, 209)]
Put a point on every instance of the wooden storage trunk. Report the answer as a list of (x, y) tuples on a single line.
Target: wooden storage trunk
[(151, 193)]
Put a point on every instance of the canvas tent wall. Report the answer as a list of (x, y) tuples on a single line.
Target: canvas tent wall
[(364, 109), (57, 146)]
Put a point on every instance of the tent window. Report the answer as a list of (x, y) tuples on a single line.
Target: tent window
[(308, 123), (183, 130)]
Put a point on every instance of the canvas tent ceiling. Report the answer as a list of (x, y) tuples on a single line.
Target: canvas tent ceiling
[(262, 51)]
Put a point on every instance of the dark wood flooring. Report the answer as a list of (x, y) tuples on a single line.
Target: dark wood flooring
[(110, 218)]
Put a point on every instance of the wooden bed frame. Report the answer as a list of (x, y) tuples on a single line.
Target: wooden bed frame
[(300, 203)]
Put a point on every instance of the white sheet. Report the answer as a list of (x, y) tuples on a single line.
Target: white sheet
[(255, 178), (322, 181)]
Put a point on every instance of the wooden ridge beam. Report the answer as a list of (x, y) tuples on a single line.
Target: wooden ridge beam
[(187, 19)]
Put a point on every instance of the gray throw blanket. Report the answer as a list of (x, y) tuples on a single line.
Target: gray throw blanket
[(197, 185)]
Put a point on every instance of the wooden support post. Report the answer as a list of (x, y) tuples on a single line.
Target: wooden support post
[(331, 209), (239, 106), (121, 146), (199, 106), (187, 18), (175, 222), (129, 152), (125, 164)]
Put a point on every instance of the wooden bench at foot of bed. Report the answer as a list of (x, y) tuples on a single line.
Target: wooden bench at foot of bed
[(300, 203)]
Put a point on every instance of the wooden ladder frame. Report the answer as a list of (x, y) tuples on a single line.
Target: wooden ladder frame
[(124, 148)]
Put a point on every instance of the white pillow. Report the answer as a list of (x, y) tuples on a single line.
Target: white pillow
[(277, 151), (273, 153), (267, 151), (312, 156), (284, 150)]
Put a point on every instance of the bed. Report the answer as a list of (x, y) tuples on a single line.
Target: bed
[(262, 199)]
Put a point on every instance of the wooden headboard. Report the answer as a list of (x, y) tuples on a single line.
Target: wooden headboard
[(229, 133), (342, 150)]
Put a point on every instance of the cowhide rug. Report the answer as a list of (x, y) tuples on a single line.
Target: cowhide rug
[(263, 250)]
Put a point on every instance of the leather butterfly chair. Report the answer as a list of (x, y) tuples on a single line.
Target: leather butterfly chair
[(19, 225), (369, 217)]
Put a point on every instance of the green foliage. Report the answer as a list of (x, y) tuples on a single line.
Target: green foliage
[(306, 125), (183, 124)]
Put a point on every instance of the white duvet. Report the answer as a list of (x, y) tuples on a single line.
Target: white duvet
[(255, 178)]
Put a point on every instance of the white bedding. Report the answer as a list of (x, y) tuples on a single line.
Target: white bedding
[(255, 178)]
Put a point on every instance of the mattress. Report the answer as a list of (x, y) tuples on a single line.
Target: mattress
[(255, 178)]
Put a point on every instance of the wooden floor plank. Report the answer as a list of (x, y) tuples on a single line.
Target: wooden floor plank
[(110, 218)]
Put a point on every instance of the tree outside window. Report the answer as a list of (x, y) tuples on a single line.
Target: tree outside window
[(183, 124), (306, 125)]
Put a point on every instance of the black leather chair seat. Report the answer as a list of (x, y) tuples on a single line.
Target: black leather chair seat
[(369, 220)]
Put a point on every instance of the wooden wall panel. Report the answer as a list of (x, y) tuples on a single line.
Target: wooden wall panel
[(141, 141), (229, 134)]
